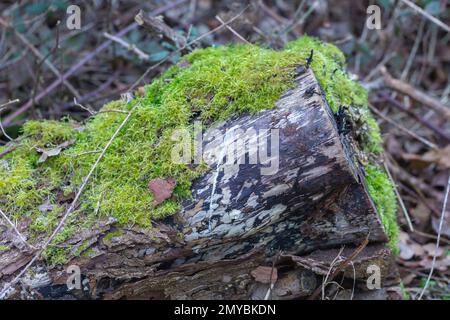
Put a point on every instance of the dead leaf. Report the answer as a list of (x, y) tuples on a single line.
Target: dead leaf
[(418, 250), (46, 153), (416, 161), (46, 207), (406, 252), (262, 274), (140, 91), (162, 189), (440, 156), (445, 226), (430, 248)]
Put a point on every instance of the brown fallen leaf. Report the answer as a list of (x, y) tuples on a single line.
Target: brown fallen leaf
[(416, 161), (440, 156), (431, 249), (46, 153), (162, 189), (263, 274), (140, 91)]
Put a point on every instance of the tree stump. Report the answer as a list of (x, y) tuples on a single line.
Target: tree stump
[(244, 234)]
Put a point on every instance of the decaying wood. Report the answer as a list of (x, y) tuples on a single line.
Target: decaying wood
[(295, 220)]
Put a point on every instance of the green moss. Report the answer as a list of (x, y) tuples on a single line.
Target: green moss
[(112, 235), (3, 248), (383, 194), (210, 84), (82, 248), (49, 131)]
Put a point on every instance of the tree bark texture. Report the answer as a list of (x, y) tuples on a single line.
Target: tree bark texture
[(243, 234)]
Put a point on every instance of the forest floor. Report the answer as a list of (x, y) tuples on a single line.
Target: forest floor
[(405, 65)]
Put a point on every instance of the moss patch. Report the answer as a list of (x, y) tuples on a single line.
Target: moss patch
[(209, 84), (383, 194)]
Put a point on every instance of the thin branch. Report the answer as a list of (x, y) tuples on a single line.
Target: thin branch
[(75, 103), (46, 61), (9, 150), (438, 131), (413, 52), (131, 47), (411, 133), (11, 117), (342, 265), (3, 106), (233, 31), (93, 113), (22, 238), (416, 94), (427, 15), (38, 71), (173, 53), (441, 222), (400, 200)]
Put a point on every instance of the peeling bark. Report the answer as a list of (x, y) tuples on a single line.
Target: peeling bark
[(238, 219)]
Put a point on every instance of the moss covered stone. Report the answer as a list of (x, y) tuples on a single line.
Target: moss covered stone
[(209, 84)]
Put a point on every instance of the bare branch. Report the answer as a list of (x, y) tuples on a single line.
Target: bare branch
[(22, 238), (142, 55), (156, 25), (427, 15)]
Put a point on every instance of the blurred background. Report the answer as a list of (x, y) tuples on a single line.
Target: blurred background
[(405, 65)]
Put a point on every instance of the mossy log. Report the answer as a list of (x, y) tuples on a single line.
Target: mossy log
[(230, 242)]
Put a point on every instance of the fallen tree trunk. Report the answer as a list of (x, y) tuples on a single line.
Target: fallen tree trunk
[(242, 230)]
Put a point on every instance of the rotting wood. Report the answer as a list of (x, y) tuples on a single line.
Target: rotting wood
[(313, 205)]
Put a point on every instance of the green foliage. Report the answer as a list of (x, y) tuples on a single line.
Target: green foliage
[(383, 194), (112, 235), (210, 84)]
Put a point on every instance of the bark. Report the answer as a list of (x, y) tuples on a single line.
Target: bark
[(285, 228)]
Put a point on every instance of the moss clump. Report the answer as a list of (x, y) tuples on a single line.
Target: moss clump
[(112, 235), (382, 192), (3, 248), (209, 84)]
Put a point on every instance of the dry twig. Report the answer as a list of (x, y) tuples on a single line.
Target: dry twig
[(416, 94), (232, 30), (427, 15), (342, 266), (21, 237), (72, 70), (141, 54)]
